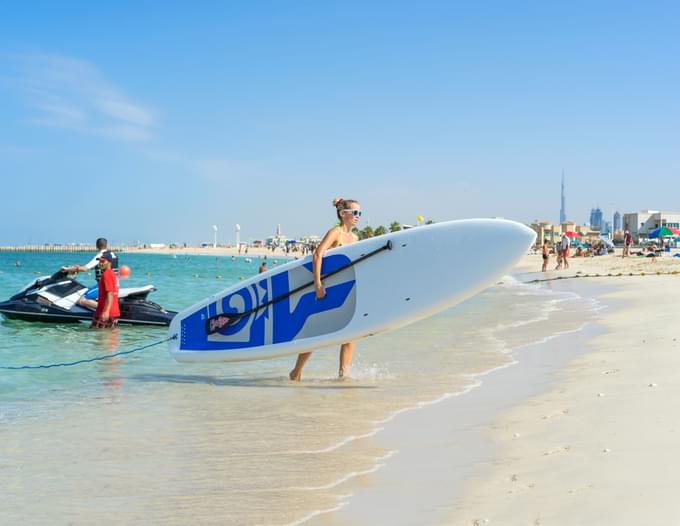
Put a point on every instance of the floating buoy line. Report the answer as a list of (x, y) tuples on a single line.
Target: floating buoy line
[(607, 275)]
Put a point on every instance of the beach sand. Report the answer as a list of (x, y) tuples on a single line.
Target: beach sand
[(581, 430), (600, 446)]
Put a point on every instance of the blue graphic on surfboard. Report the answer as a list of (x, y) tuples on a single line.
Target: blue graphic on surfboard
[(298, 315), (380, 284)]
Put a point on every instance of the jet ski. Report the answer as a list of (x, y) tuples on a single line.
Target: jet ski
[(54, 299)]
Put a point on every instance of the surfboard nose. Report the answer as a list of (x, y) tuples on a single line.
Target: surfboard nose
[(517, 238), (527, 234)]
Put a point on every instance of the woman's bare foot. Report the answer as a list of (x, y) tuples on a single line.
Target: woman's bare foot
[(295, 375)]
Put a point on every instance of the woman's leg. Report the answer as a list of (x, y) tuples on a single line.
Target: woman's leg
[(346, 351), (296, 373)]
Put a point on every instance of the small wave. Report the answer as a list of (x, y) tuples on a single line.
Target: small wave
[(349, 476), (597, 306), (337, 445), (371, 372), (315, 513), (552, 336), (521, 287), (475, 376), (550, 306), (425, 403)]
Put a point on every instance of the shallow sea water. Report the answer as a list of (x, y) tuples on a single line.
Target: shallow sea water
[(147, 440)]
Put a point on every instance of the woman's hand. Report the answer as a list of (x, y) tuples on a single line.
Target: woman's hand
[(320, 291)]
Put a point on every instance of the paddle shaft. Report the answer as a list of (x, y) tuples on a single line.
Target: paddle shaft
[(233, 318)]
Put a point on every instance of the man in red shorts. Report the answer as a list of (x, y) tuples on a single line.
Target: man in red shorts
[(565, 250), (108, 310)]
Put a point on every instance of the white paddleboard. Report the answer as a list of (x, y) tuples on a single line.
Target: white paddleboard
[(378, 284)]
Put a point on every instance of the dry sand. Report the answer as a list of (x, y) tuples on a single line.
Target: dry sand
[(601, 446)]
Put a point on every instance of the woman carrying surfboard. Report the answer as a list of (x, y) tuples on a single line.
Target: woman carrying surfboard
[(348, 212)]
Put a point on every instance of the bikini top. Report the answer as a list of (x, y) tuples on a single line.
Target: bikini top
[(340, 243)]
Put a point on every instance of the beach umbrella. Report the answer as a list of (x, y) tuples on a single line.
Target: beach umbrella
[(570, 233), (664, 231)]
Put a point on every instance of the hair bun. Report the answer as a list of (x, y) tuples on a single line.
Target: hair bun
[(338, 201)]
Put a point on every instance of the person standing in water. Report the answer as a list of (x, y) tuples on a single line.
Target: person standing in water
[(108, 309), (546, 256), (348, 212), (89, 299)]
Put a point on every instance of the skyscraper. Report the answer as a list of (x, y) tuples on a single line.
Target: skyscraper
[(596, 218), (563, 210), (617, 221)]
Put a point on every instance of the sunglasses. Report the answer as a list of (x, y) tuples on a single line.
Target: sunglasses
[(355, 213)]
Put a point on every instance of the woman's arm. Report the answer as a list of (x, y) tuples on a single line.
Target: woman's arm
[(328, 241)]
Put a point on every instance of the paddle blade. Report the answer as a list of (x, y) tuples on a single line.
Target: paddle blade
[(219, 322)]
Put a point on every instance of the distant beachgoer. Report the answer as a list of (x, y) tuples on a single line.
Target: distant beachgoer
[(565, 250), (558, 251), (108, 310), (348, 212), (546, 256), (17, 263), (652, 252), (89, 300), (263, 267), (627, 242)]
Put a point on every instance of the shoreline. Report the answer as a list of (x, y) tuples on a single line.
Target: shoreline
[(605, 457), (591, 441), (441, 446)]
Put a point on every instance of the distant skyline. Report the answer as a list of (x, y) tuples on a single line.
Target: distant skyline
[(155, 121)]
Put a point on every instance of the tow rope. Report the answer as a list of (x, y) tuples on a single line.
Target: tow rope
[(87, 360)]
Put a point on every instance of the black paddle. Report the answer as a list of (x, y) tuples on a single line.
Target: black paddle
[(216, 323)]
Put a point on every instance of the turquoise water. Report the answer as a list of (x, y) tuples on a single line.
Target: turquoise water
[(149, 441), (180, 281)]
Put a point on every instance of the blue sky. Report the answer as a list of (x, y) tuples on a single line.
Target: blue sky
[(154, 120)]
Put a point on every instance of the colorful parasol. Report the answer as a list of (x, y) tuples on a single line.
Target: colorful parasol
[(664, 231)]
